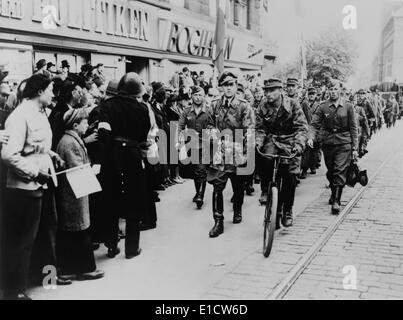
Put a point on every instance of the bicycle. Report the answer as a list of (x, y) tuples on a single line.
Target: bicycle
[(270, 215)]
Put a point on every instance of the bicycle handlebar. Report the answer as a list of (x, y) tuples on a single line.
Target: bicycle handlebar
[(276, 156)]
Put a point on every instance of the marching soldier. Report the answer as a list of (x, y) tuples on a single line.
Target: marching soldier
[(124, 124), (292, 88), (311, 157), (363, 102), (196, 117), (281, 128), (338, 119), (229, 113), (363, 129)]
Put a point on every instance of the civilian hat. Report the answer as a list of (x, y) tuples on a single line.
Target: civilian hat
[(72, 115), (65, 64), (40, 64), (50, 65), (112, 88)]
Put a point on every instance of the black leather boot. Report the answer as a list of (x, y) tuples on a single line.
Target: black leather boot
[(199, 200), (333, 196), (237, 214), (218, 210), (337, 203), (197, 187), (289, 186), (263, 198), (288, 218)]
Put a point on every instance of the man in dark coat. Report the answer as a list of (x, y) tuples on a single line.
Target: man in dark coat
[(311, 157), (124, 123), (281, 128), (338, 119), (363, 129)]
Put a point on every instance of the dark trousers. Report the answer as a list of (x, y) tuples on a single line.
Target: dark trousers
[(199, 172), (75, 252), (44, 251), (150, 214), (119, 204), (337, 159), (21, 222), (238, 185)]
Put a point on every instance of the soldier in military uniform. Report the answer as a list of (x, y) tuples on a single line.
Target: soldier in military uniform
[(229, 113), (124, 123), (281, 128), (363, 102), (311, 157), (338, 120), (196, 117), (363, 129), (292, 88)]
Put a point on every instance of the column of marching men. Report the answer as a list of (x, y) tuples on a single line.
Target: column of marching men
[(57, 120)]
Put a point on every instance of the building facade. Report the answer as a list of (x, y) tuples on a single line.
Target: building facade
[(388, 65), (154, 38)]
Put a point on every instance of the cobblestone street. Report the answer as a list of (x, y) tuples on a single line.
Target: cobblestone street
[(179, 261)]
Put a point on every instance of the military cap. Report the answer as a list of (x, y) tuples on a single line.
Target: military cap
[(227, 77), (241, 88), (272, 83), (292, 82), (372, 89), (334, 83), (197, 89), (311, 90), (361, 91)]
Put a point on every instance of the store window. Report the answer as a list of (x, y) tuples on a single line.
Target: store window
[(17, 60)]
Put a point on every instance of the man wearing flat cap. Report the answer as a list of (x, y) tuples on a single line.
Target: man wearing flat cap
[(311, 156), (338, 121), (196, 119), (281, 128), (229, 113)]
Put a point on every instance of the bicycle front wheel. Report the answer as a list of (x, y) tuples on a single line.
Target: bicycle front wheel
[(270, 218)]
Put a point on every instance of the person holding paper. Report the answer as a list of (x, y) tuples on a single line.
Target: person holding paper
[(28, 157), (76, 257)]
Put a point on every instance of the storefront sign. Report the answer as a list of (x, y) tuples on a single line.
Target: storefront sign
[(120, 22), (192, 41), (102, 16)]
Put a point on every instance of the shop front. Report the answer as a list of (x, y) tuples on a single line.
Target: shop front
[(188, 40), (123, 35)]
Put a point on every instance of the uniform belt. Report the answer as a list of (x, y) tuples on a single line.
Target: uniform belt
[(125, 142), (337, 130)]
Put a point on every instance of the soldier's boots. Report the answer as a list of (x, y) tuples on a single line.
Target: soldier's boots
[(197, 187), (333, 195), (199, 200), (249, 189), (287, 218), (304, 174), (337, 202), (218, 210), (237, 214), (263, 198)]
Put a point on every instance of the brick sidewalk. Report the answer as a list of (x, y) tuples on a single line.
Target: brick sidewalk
[(256, 277), (370, 239)]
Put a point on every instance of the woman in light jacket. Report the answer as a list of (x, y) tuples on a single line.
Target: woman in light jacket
[(30, 168)]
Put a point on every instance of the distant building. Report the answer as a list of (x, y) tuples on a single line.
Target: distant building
[(388, 65)]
